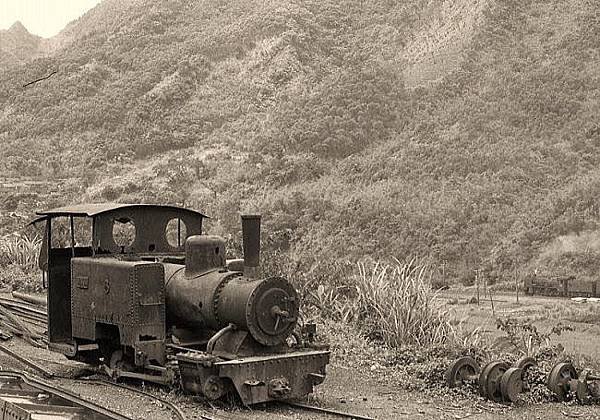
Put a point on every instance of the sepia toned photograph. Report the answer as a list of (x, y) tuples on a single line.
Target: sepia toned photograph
[(299, 209)]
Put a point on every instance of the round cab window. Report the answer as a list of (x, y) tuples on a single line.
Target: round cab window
[(123, 232), (176, 233)]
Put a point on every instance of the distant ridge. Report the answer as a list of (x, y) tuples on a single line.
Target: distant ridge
[(18, 27), (17, 45)]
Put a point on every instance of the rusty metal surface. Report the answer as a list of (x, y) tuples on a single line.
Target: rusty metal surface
[(560, 378), (35, 300), (490, 378), (511, 384), (191, 300), (151, 224), (204, 253), (465, 369), (128, 295), (267, 308), (251, 239), (256, 379), (275, 377)]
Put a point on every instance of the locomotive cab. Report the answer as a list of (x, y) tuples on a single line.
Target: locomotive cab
[(131, 286), (81, 235)]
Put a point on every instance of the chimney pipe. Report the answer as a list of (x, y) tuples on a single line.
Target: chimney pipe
[(251, 243)]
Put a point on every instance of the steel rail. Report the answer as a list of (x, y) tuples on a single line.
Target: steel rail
[(29, 316), (47, 374), (176, 410), (21, 327), (22, 310), (36, 300), (40, 310), (328, 411), (27, 336), (63, 393), (32, 325)]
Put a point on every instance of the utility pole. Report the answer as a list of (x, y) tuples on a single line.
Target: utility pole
[(477, 283), (484, 284), (444, 274), (516, 283)]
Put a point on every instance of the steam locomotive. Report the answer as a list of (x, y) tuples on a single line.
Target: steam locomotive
[(160, 302)]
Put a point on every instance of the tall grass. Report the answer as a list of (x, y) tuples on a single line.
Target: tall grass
[(396, 303), (20, 250)]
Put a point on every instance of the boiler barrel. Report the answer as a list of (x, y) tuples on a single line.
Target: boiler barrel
[(266, 308)]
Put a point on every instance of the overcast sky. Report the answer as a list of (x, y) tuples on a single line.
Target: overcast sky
[(43, 17)]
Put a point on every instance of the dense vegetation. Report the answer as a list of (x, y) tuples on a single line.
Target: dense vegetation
[(301, 110)]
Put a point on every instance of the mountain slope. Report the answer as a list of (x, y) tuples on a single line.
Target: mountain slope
[(466, 132), (17, 45)]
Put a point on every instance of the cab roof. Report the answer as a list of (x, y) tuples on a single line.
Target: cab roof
[(95, 209)]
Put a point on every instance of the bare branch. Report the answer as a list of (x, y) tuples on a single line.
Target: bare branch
[(39, 80)]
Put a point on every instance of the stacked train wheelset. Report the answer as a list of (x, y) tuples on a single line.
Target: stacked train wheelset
[(501, 382)]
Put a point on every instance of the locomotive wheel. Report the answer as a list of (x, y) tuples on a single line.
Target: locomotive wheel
[(559, 380), (462, 370), (482, 376), (525, 363), (117, 361), (583, 391), (489, 380), (214, 387), (511, 384)]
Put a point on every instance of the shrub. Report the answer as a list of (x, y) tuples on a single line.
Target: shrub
[(13, 277), (20, 250), (18, 262), (396, 304), (524, 337)]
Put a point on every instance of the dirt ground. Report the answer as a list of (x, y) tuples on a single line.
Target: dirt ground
[(375, 393)]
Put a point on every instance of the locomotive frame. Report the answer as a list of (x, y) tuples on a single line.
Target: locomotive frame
[(175, 313)]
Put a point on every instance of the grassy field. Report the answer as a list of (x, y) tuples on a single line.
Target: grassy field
[(583, 342)]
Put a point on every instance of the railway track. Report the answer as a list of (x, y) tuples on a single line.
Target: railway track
[(25, 397), (32, 316), (176, 411)]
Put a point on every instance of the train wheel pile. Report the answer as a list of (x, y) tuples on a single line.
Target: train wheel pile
[(500, 382)]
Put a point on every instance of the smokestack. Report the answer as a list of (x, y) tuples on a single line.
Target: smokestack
[(251, 244)]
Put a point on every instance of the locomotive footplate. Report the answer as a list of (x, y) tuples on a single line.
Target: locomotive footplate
[(256, 379)]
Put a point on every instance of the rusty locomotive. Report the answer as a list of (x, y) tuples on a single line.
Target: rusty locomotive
[(160, 302)]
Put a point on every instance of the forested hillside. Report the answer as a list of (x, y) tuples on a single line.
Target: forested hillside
[(466, 132)]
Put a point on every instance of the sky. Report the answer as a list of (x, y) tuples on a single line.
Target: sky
[(43, 17)]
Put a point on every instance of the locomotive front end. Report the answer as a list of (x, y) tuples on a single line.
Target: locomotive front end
[(208, 295)]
